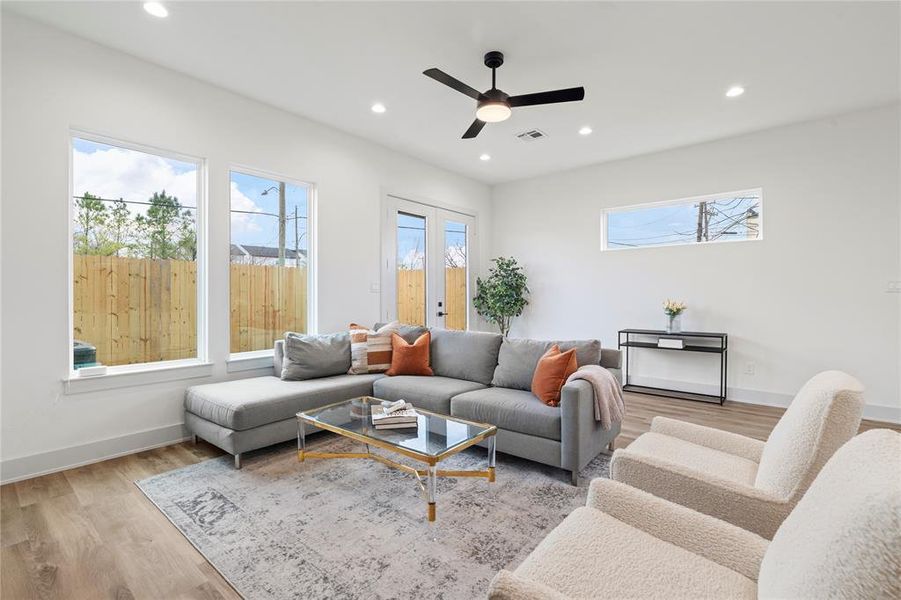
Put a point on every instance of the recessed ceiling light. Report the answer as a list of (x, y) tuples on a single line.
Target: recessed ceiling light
[(485, 157), (378, 107), (156, 9), (585, 130), (735, 91)]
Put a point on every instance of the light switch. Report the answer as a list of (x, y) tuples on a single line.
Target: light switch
[(374, 287)]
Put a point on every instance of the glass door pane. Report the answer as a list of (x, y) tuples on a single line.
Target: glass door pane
[(410, 268), (456, 275)]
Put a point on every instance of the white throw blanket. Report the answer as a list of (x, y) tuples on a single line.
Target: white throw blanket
[(609, 407)]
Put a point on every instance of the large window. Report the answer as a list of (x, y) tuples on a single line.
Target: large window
[(135, 255), (725, 217), (270, 260)]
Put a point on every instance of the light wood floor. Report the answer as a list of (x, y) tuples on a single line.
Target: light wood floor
[(90, 533)]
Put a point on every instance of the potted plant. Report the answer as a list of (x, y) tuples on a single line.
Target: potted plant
[(502, 295)]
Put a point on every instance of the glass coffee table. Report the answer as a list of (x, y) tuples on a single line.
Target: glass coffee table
[(435, 438)]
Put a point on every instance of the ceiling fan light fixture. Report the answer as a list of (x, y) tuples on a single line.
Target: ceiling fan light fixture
[(493, 112)]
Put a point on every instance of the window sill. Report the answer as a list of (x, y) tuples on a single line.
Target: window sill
[(127, 376), (249, 361)]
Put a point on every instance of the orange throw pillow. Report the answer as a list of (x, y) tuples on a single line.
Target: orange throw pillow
[(410, 359), (551, 373)]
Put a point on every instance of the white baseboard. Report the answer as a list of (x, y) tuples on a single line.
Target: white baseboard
[(875, 412), (44, 463)]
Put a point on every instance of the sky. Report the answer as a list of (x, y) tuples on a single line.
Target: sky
[(262, 229), (411, 240), (112, 172), (675, 223)]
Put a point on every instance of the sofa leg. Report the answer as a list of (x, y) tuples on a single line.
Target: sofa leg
[(574, 478), (238, 461), (610, 446), (194, 438)]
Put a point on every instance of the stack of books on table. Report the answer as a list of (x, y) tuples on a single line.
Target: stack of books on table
[(395, 415)]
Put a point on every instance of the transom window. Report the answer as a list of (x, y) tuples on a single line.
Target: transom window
[(728, 217)]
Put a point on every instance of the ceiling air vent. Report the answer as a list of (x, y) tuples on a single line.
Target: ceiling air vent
[(531, 135)]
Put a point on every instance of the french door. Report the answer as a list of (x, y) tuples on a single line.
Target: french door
[(426, 255)]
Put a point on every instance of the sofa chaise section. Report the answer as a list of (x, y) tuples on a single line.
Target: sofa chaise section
[(247, 414)]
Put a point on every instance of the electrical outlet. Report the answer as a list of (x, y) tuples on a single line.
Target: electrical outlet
[(374, 287), (750, 368)]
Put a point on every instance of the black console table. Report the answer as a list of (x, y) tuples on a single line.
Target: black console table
[(693, 341)]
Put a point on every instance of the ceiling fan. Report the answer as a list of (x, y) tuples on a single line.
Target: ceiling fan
[(495, 105)]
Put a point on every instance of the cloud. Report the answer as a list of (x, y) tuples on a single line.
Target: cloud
[(413, 259), (243, 223), (133, 176)]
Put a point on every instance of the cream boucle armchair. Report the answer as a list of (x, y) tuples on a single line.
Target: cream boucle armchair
[(842, 540), (741, 480)]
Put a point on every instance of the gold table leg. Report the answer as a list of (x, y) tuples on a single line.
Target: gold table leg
[(431, 474)]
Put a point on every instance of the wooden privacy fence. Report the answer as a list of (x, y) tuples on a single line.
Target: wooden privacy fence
[(136, 310), (411, 297), (266, 301)]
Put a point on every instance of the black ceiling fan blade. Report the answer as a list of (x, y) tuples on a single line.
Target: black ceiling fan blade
[(442, 77), (474, 129), (568, 95)]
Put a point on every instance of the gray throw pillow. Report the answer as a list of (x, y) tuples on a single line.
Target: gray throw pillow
[(410, 333), (312, 356), (517, 359)]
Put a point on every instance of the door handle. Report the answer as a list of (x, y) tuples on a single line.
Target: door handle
[(442, 314)]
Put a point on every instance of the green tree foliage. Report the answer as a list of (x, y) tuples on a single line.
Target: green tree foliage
[(166, 231), (90, 219), (502, 296)]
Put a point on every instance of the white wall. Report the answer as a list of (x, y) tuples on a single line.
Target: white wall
[(53, 81), (811, 295)]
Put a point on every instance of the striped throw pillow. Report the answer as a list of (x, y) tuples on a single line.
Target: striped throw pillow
[(370, 351)]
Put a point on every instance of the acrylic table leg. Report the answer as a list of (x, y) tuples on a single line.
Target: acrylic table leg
[(301, 440), (492, 443), (432, 485)]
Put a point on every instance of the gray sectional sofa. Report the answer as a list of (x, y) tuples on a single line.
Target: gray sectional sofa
[(477, 376)]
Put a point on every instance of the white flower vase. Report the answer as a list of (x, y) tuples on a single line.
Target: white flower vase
[(673, 323)]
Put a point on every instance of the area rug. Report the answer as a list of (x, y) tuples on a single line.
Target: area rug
[(349, 528)]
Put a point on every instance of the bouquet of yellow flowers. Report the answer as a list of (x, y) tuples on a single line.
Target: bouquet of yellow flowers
[(673, 308)]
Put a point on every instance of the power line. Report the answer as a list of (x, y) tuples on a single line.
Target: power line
[(126, 201)]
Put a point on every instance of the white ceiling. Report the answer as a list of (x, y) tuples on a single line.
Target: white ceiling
[(654, 73)]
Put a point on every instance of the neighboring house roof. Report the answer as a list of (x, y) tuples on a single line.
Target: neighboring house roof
[(263, 251)]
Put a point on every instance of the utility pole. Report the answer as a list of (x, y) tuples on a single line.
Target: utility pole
[(281, 223), (702, 221), (296, 240)]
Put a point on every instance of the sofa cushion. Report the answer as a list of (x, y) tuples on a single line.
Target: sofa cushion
[(517, 359), (312, 356), (470, 355), (513, 410), (247, 403), (428, 393)]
